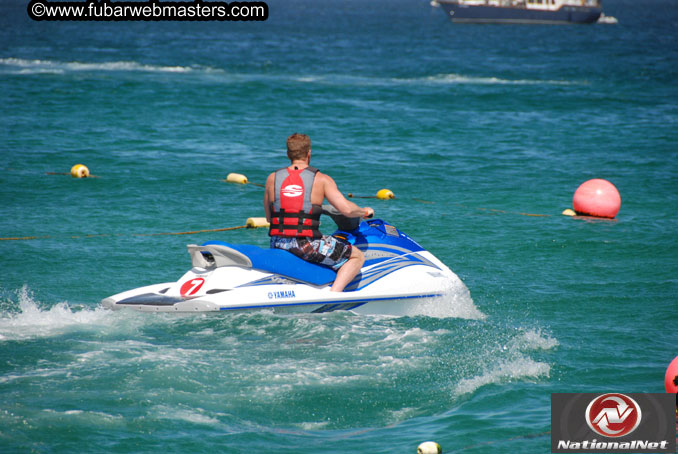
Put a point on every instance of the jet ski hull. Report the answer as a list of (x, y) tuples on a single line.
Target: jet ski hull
[(398, 273)]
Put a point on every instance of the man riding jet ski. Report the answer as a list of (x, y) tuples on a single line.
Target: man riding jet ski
[(293, 199), (366, 267)]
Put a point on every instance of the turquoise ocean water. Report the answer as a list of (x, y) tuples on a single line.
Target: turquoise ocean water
[(471, 126)]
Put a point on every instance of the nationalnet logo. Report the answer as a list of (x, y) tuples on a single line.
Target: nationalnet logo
[(613, 422), (613, 415)]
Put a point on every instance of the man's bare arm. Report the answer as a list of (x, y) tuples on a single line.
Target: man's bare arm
[(270, 181), (338, 201)]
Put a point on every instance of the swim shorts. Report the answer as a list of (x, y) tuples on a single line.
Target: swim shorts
[(328, 250)]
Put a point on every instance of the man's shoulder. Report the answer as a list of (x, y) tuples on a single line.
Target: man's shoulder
[(323, 176), (326, 182), (324, 179)]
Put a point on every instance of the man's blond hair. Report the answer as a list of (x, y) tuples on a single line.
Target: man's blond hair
[(298, 146)]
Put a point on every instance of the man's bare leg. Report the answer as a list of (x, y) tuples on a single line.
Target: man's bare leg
[(348, 270)]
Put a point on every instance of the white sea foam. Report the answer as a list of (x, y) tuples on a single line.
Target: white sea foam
[(195, 416), (402, 414), (25, 66), (379, 350), (456, 302), (35, 374), (174, 357), (37, 66), (311, 426), (32, 322), (437, 79), (517, 369), (534, 340), (89, 417), (509, 362), (452, 78)]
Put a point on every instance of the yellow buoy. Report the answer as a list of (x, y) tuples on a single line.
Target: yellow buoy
[(236, 178), (79, 171), (569, 212), (385, 194), (253, 223), (429, 447)]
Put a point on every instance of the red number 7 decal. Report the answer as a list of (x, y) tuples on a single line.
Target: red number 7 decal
[(191, 287)]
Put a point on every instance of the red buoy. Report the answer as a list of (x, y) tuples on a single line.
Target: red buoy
[(671, 377), (598, 198)]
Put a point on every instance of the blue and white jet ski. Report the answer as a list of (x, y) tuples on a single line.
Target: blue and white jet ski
[(398, 273)]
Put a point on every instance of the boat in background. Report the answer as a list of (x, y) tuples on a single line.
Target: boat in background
[(523, 11)]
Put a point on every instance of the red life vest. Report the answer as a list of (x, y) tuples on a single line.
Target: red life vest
[(292, 213)]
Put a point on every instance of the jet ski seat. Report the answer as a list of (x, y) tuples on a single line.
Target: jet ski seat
[(214, 254)]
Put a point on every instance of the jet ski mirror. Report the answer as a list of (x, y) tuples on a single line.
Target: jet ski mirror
[(344, 223)]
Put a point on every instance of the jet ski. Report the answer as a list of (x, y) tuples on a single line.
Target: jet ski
[(397, 274)]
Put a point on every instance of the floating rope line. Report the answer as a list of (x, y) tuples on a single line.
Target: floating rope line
[(252, 223), (382, 194), (494, 210), (21, 238), (194, 231), (353, 196)]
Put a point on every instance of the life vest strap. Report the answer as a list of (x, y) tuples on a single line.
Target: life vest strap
[(306, 225)]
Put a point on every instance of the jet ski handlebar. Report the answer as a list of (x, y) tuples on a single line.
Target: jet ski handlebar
[(343, 222)]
